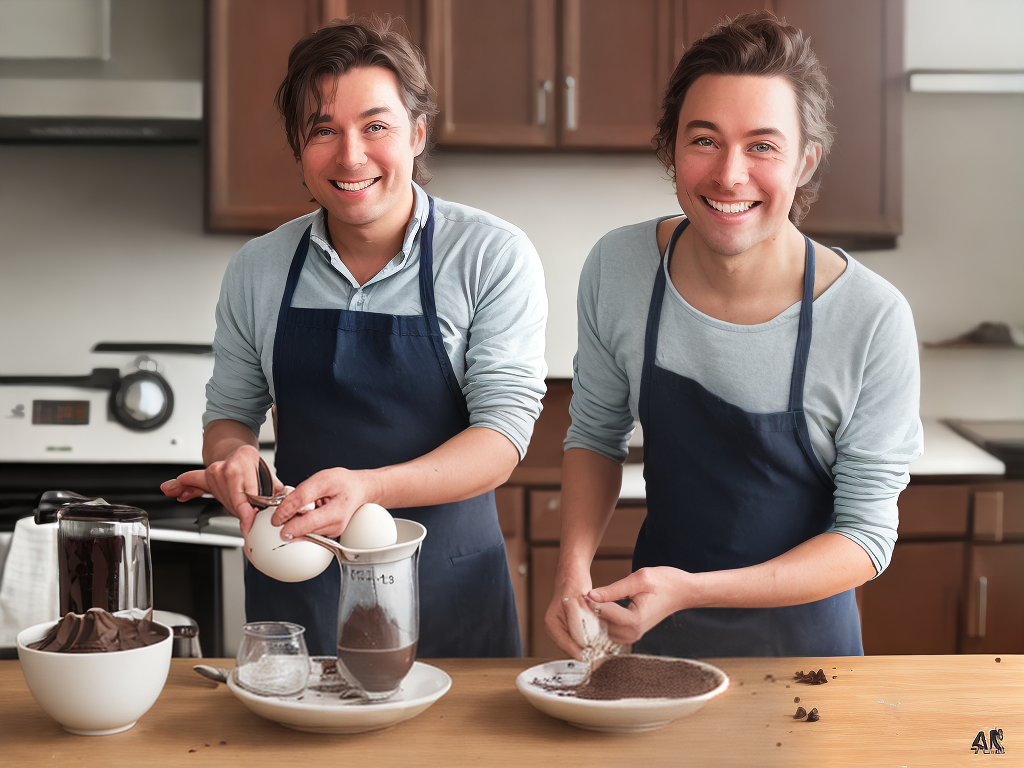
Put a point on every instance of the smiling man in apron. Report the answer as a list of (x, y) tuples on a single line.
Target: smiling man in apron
[(776, 381), (400, 339)]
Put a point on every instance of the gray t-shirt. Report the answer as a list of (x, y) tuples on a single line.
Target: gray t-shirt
[(490, 299), (861, 394)]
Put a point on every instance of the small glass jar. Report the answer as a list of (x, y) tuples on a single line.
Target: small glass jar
[(272, 658)]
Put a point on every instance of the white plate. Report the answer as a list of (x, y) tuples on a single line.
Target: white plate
[(326, 712), (617, 715)]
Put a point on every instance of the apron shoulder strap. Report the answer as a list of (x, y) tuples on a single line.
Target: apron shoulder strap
[(803, 339)]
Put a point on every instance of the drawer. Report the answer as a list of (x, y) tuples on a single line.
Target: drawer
[(619, 538), (998, 511), (933, 511)]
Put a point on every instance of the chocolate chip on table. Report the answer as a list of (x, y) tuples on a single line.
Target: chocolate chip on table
[(800, 713), (812, 677), (813, 716)]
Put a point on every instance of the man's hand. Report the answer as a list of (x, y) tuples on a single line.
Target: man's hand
[(563, 612), (654, 594), (325, 502), (228, 480)]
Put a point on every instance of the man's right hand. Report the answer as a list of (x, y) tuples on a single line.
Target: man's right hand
[(564, 611), (229, 480)]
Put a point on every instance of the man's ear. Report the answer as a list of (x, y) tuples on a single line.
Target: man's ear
[(812, 156), (419, 133)]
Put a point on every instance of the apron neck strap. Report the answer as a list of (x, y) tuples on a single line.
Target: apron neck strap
[(427, 269), (803, 339)]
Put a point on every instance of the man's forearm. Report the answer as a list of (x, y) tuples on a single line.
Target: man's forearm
[(223, 437), (820, 567), (475, 461), (590, 490)]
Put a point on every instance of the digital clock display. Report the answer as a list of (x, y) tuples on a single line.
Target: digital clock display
[(60, 411)]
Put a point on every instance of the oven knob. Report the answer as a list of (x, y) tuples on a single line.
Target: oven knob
[(142, 400)]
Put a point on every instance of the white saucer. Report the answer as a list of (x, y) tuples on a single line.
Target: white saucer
[(617, 715), (319, 711)]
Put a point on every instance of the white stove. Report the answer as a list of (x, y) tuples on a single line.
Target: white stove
[(118, 431), (141, 403)]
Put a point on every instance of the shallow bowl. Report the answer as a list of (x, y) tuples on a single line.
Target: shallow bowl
[(615, 715), (94, 694)]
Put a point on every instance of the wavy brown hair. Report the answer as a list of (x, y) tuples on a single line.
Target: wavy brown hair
[(339, 47), (756, 43)]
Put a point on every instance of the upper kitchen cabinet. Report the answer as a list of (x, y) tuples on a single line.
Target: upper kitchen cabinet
[(253, 181), (860, 45), (508, 74)]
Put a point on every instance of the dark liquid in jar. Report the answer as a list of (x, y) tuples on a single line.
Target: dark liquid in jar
[(378, 670), (90, 570)]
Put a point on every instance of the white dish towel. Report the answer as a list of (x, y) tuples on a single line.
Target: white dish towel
[(28, 584)]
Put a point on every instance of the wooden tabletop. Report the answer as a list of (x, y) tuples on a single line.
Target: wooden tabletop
[(875, 710)]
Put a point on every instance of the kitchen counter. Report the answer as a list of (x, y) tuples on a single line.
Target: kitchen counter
[(881, 710), (947, 453)]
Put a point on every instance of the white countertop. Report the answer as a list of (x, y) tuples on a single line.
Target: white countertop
[(945, 453)]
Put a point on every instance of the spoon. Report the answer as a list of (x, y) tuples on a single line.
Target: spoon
[(213, 673)]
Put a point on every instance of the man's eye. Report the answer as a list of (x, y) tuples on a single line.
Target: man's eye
[(377, 128), (762, 147), (704, 141)]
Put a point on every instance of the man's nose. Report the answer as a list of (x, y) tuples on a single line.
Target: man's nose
[(732, 168), (351, 153)]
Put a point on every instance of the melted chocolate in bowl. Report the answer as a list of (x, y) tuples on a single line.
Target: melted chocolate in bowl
[(370, 651), (98, 631)]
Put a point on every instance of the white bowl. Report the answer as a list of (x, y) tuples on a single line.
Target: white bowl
[(94, 694), (614, 715)]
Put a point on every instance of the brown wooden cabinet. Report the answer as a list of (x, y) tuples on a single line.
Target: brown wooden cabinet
[(253, 183), (956, 580), (508, 74), (553, 74), (861, 47)]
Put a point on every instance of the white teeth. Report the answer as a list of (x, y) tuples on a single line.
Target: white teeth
[(354, 186), (730, 207)]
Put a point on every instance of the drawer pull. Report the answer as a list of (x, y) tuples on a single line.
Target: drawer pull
[(542, 103), (982, 604), (570, 103)]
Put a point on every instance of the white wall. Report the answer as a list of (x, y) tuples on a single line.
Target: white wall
[(106, 243)]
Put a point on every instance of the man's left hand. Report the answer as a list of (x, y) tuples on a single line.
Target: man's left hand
[(654, 594)]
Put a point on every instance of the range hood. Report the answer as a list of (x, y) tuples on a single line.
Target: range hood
[(101, 70)]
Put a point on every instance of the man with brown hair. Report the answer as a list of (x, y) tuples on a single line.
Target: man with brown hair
[(773, 456), (400, 339)]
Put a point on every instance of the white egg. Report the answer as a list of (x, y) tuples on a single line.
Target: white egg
[(296, 560), (371, 527)]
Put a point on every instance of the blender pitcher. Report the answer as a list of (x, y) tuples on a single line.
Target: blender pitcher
[(103, 557)]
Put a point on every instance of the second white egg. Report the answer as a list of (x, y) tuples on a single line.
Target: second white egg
[(371, 527)]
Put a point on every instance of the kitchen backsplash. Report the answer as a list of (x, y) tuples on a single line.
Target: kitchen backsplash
[(106, 243)]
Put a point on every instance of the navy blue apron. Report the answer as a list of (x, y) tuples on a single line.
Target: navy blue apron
[(364, 390), (727, 489)]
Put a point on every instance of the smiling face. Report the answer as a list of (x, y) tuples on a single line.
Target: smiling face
[(738, 160), (358, 159)]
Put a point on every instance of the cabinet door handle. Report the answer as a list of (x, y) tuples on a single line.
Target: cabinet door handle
[(543, 89), (982, 604), (570, 103)]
